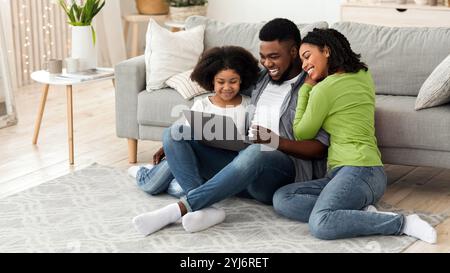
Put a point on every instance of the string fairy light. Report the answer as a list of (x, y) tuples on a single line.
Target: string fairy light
[(25, 25), (41, 32), (43, 42)]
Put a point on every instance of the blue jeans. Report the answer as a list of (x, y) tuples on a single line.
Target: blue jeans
[(208, 175), (158, 179), (332, 205)]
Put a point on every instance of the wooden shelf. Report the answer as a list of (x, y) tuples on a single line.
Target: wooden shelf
[(390, 14), (398, 6)]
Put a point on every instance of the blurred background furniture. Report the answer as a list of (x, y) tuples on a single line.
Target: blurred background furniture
[(133, 21)]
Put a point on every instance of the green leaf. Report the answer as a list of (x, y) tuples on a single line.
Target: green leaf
[(100, 7), (93, 35), (72, 14), (87, 9), (62, 3), (82, 15)]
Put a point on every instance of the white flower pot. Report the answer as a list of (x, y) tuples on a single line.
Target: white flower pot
[(83, 47)]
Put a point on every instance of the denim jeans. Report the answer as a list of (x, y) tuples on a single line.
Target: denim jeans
[(208, 175), (333, 205), (158, 179)]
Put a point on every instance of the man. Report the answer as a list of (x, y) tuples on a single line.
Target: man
[(209, 175)]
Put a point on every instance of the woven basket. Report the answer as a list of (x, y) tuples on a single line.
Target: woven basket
[(152, 7), (180, 14)]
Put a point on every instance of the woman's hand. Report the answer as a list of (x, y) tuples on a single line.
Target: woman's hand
[(158, 156), (310, 81)]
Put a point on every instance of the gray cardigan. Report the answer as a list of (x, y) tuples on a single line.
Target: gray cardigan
[(305, 169)]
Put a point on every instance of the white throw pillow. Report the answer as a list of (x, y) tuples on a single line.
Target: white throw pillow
[(436, 88), (169, 53), (185, 86)]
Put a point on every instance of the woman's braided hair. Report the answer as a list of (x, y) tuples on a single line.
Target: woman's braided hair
[(342, 56)]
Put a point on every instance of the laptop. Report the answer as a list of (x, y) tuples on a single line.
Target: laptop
[(216, 131)]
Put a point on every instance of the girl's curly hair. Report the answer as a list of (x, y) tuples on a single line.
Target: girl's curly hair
[(216, 59), (342, 56)]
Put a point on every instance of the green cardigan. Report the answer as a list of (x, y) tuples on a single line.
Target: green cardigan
[(344, 106)]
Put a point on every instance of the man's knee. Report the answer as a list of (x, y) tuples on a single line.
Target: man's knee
[(254, 153)]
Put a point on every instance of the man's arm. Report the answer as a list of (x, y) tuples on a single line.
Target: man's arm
[(304, 149)]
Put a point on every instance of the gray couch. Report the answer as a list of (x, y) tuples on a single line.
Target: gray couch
[(400, 60)]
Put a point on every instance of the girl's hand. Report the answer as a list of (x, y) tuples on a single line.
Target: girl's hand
[(158, 156), (310, 81)]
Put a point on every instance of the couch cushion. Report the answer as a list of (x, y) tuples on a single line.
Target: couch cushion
[(170, 53), (239, 34), (156, 108), (186, 87), (400, 59), (436, 88), (398, 125)]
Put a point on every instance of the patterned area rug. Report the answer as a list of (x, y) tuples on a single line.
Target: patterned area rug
[(91, 211)]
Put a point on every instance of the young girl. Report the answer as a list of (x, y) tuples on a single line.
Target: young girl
[(226, 70), (339, 96)]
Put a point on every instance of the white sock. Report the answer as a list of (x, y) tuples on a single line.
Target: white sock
[(133, 170), (148, 166), (372, 208), (149, 222), (418, 228), (203, 219)]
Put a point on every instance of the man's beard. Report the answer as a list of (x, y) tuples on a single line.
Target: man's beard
[(283, 77)]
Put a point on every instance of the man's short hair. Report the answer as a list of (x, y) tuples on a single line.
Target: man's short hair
[(280, 29)]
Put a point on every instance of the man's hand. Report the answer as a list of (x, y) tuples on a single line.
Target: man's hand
[(263, 135), (158, 156)]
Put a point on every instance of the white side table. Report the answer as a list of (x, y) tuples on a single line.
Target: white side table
[(44, 77)]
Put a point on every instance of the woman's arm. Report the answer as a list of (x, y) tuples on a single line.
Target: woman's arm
[(311, 112)]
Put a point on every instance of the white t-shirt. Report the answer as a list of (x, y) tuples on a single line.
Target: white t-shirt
[(237, 113), (268, 108)]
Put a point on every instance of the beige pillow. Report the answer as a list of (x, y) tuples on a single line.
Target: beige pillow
[(170, 53), (436, 88), (187, 88)]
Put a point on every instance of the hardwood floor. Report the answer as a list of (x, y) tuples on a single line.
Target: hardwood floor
[(23, 165)]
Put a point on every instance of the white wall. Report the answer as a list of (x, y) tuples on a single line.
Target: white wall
[(299, 11), (111, 42)]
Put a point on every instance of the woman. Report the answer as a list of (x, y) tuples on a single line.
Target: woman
[(339, 96)]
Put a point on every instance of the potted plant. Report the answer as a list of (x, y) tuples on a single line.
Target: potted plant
[(182, 9), (152, 7), (80, 14)]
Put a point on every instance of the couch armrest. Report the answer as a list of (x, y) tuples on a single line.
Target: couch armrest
[(130, 81)]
